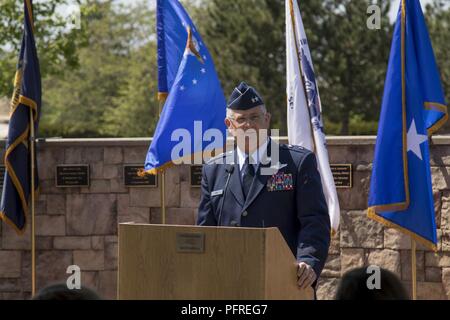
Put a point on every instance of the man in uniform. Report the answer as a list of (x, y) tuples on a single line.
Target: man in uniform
[(245, 188)]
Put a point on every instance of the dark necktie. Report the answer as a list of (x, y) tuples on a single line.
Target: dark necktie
[(248, 171)]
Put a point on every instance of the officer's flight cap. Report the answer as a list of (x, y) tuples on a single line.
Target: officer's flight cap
[(244, 97)]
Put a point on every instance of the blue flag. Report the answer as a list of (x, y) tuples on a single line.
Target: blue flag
[(413, 107), (192, 119), (27, 95)]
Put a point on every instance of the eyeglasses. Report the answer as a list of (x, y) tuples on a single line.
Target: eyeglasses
[(252, 119)]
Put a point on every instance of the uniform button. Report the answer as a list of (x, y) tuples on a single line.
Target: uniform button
[(245, 213), (234, 223)]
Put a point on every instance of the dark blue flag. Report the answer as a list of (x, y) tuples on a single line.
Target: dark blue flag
[(413, 108), (192, 119), (27, 95)]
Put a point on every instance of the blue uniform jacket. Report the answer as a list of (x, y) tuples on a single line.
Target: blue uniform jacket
[(292, 200)]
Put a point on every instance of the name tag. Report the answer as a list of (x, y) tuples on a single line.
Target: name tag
[(217, 193)]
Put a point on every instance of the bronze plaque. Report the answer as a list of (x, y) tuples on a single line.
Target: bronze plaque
[(342, 174), (131, 178), (195, 176), (191, 242), (72, 175)]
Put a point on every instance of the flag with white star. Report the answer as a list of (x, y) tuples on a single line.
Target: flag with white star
[(413, 108), (192, 118)]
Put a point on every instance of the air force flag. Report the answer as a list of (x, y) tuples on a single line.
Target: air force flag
[(413, 107), (305, 126), (191, 121)]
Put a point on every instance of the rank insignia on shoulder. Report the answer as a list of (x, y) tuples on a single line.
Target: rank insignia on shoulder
[(280, 182)]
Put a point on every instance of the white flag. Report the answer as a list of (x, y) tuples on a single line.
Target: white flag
[(304, 118)]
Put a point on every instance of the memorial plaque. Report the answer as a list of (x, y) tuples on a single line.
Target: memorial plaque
[(2, 175), (131, 178), (195, 176), (68, 175), (342, 174)]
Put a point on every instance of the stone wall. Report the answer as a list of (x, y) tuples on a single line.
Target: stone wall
[(79, 225)]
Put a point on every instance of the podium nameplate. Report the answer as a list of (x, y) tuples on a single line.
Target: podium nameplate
[(191, 242)]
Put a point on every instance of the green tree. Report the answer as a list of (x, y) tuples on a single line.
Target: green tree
[(57, 40), (111, 92), (438, 21), (247, 40)]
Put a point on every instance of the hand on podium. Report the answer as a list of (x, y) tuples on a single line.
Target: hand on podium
[(306, 275)]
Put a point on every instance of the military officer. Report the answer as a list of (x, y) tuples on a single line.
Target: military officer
[(245, 188)]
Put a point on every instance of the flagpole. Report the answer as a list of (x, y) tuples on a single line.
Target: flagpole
[(413, 269), (33, 236), (162, 99)]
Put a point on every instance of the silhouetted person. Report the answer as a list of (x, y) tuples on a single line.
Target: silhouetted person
[(354, 286), (60, 291)]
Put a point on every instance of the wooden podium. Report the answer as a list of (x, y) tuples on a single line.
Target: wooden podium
[(166, 262)]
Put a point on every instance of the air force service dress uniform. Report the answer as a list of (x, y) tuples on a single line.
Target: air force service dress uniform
[(290, 197)]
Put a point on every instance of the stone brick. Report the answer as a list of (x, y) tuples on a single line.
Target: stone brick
[(351, 258), (155, 216), (123, 202), (96, 171), (44, 243), (387, 259), (51, 267), (111, 239), (72, 243), (9, 285), (89, 214), (97, 243), (172, 186), (428, 290), (111, 256), (40, 206), (357, 231), (145, 197), (48, 158), (74, 155), (136, 214), (189, 196), (394, 239), (107, 286), (117, 185), (97, 186), (332, 267), (10, 264), (11, 240), (326, 289), (446, 281), (334, 244), (355, 198), (56, 204), (445, 242), (441, 259), (113, 155), (180, 216), (433, 274), (111, 171), (133, 155), (89, 260), (89, 279), (50, 225), (406, 265), (93, 154)]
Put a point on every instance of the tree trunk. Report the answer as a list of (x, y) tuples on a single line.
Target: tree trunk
[(345, 125)]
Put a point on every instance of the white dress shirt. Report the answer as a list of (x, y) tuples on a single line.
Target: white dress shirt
[(256, 156)]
